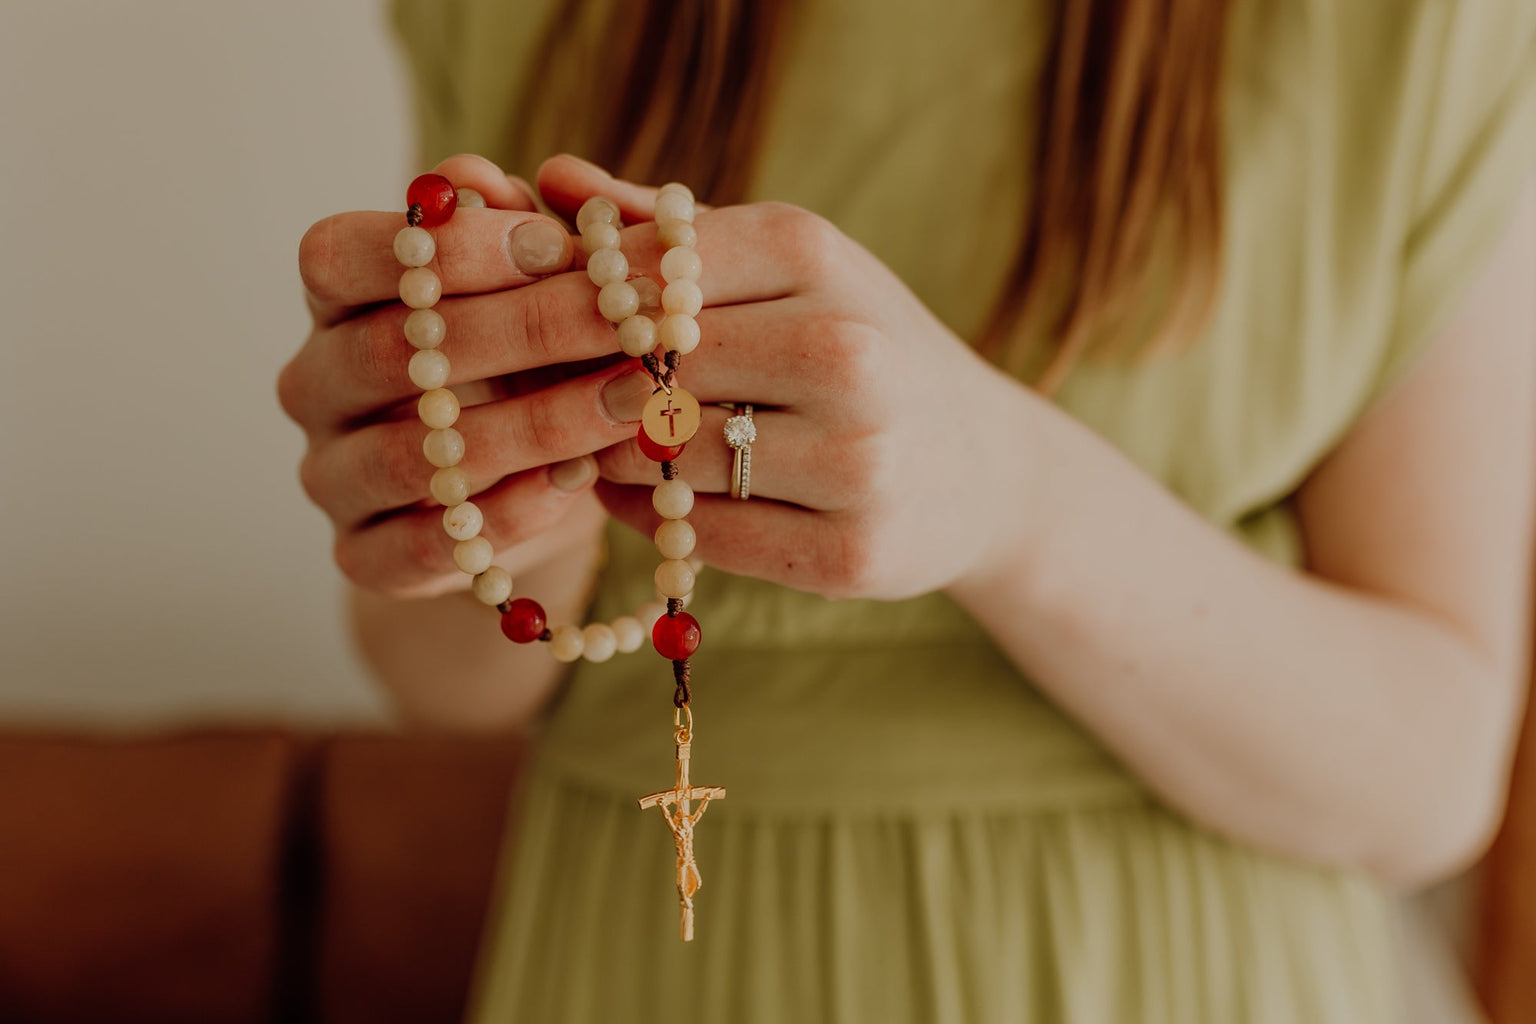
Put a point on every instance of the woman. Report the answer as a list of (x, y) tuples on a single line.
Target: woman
[(1148, 682)]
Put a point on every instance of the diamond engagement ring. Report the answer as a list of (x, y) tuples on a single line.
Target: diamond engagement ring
[(740, 432)]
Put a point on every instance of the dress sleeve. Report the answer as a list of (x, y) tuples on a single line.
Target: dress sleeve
[(429, 32), (1478, 149)]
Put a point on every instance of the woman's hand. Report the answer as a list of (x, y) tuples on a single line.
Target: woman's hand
[(530, 421), (878, 430)]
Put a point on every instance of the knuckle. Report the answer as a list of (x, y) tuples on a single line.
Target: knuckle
[(847, 352), (377, 351), (539, 325), (810, 240), (396, 463), (547, 435), (320, 258), (293, 393), (847, 561), (313, 479)]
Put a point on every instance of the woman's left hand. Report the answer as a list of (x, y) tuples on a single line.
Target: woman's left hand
[(887, 453)]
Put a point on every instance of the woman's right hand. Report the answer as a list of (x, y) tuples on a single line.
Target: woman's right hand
[(539, 395)]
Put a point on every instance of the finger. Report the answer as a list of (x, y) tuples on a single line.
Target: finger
[(384, 466), (409, 555), (566, 181), (501, 191)]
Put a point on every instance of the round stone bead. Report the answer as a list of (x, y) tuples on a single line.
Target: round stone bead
[(676, 637), (682, 297), (599, 236), (628, 634), (650, 295), (598, 642), (678, 333), (450, 486), (425, 328), (523, 621), (676, 232), (473, 555), (675, 186), (463, 521), (493, 586), (597, 210), (637, 335), (436, 196), (648, 613), (672, 499), (607, 266), (674, 578), (438, 409), (618, 301), (414, 246), (566, 643), (443, 447), (429, 369), (469, 199), (675, 539), (681, 263), (420, 288), (674, 206), (657, 452)]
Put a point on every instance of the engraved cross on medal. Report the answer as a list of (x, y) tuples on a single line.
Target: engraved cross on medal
[(677, 807)]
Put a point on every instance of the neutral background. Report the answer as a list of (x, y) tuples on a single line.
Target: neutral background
[(159, 161)]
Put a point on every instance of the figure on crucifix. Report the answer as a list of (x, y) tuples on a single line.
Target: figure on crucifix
[(677, 807)]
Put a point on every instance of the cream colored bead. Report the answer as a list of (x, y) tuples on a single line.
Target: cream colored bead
[(444, 447), (425, 328), (648, 613), (471, 200), (675, 186), (598, 642), (607, 266), (678, 333), (597, 210), (681, 263), (473, 555), (420, 288), (628, 633), (599, 236), (429, 369), (637, 335), (675, 539), (676, 232), (650, 295), (438, 409), (414, 246), (493, 586), (674, 206), (672, 499), (566, 643), (674, 578), (682, 297), (618, 301), (463, 521), (450, 485)]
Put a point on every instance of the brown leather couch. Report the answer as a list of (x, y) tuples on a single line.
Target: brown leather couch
[(242, 876)]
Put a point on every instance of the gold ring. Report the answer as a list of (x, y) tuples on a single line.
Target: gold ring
[(740, 433)]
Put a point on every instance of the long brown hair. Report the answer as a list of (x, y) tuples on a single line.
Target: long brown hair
[(1126, 161)]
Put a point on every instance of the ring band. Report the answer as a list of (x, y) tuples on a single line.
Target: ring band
[(740, 433)]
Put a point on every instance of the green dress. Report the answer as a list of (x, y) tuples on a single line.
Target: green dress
[(913, 833)]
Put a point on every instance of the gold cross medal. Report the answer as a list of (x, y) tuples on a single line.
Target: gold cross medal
[(677, 807)]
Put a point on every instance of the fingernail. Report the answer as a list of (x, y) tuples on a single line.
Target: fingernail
[(573, 474), (538, 247), (624, 397)]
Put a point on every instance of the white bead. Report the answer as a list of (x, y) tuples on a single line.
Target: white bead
[(673, 206), (648, 613), (675, 186), (628, 634), (674, 578), (682, 297), (450, 486), (599, 236), (566, 643), (618, 301), (420, 288), (650, 295), (463, 521), (471, 200), (678, 333), (429, 369), (473, 555), (676, 232), (637, 335), (607, 266), (675, 538), (598, 642), (425, 328), (597, 210), (414, 246), (672, 499), (493, 586), (438, 409), (681, 263), (443, 447)]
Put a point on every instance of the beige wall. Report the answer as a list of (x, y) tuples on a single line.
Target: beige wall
[(159, 161)]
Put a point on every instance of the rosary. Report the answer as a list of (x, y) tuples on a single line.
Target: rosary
[(670, 419)]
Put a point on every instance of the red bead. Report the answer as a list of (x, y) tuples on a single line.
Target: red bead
[(524, 621), (658, 452), (676, 636), (437, 197)]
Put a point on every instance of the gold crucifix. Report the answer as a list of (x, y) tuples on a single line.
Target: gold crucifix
[(677, 807)]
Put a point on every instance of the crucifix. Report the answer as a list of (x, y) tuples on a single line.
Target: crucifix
[(677, 807)]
